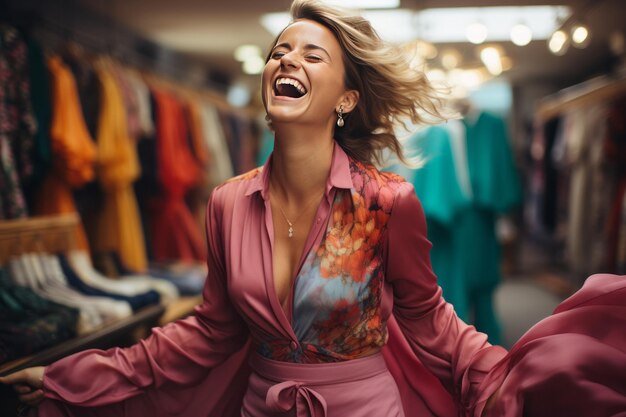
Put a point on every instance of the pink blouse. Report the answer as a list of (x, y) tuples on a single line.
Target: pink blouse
[(366, 257)]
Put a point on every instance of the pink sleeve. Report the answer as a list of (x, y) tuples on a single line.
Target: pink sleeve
[(454, 351), (182, 352)]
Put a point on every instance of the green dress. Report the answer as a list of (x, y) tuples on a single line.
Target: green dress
[(461, 222)]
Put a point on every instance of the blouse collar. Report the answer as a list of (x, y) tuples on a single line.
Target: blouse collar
[(340, 176)]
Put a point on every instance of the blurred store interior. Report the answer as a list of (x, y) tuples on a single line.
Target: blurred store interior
[(554, 74)]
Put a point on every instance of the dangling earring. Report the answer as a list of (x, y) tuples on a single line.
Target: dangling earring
[(267, 118), (340, 121)]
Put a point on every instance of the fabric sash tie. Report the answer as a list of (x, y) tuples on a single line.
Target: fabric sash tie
[(309, 403), (300, 386)]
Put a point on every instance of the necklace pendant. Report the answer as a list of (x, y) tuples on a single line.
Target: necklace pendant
[(290, 231)]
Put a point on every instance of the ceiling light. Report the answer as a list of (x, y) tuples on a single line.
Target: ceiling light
[(364, 4), (404, 25), (521, 34), (476, 33), (580, 36), (244, 52), (254, 65), (558, 43), (541, 20), (491, 58)]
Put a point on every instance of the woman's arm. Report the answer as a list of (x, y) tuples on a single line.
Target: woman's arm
[(454, 351), (181, 352)]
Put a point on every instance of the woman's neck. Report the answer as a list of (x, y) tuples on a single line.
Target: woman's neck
[(300, 164)]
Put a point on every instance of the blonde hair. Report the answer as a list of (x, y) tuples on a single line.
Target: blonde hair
[(390, 90)]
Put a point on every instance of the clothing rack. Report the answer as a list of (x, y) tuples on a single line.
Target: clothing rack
[(596, 90)]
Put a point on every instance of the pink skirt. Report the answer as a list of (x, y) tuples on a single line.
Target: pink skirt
[(357, 388)]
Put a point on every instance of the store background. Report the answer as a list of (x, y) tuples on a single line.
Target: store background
[(192, 44)]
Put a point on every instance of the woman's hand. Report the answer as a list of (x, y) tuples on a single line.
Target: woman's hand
[(28, 384)]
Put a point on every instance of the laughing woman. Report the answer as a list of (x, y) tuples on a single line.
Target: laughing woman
[(320, 298)]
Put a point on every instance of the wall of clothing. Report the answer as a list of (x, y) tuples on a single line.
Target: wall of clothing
[(135, 155), (577, 179), (468, 180)]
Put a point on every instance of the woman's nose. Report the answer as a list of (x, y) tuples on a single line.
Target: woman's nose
[(289, 60)]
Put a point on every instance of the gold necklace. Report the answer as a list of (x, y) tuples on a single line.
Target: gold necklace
[(291, 230)]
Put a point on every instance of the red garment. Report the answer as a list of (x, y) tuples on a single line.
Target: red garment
[(175, 234)]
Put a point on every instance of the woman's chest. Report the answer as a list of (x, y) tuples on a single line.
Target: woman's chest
[(339, 276)]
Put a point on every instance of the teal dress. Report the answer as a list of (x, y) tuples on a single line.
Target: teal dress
[(461, 224)]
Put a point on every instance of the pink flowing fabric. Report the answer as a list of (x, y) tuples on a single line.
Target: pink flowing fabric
[(572, 363)]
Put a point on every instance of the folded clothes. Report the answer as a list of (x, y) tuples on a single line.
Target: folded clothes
[(136, 302)]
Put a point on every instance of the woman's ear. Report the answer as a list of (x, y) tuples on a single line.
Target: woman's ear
[(348, 100)]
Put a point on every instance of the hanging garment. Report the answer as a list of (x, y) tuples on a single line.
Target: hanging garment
[(73, 150), (118, 224), (221, 167), (590, 191), (174, 232), (468, 180), (40, 97), (199, 194), (381, 286), (439, 189), (88, 198), (144, 105), (130, 100), (615, 154), (197, 140), (17, 124), (495, 188)]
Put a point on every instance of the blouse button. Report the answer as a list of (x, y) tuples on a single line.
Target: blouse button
[(293, 345)]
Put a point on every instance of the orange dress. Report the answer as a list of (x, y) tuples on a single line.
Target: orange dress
[(73, 150)]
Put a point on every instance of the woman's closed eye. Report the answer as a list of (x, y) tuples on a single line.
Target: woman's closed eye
[(277, 54)]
